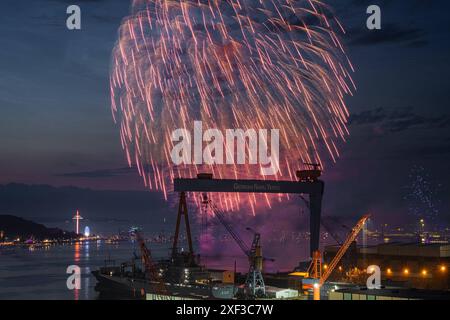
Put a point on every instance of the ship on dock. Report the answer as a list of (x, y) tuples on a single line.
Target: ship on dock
[(181, 276)]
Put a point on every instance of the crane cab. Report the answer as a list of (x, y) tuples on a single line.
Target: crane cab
[(205, 176), (309, 175)]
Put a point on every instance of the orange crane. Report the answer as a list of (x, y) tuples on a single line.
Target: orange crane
[(316, 264), (155, 279)]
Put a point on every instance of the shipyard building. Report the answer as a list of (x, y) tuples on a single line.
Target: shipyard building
[(409, 265)]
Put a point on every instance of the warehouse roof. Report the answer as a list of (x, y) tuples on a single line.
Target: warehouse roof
[(401, 293)]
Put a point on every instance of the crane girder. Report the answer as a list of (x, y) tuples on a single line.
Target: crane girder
[(343, 249)]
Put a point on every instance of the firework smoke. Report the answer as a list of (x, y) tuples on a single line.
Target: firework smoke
[(230, 64)]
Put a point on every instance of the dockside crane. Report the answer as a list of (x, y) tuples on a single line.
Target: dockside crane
[(154, 277), (254, 283), (255, 280), (316, 263)]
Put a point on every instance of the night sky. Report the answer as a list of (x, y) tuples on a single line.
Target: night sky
[(56, 126)]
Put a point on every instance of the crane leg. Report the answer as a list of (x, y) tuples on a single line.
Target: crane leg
[(182, 211), (188, 229), (315, 200)]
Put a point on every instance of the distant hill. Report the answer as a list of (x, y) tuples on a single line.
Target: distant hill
[(14, 227)]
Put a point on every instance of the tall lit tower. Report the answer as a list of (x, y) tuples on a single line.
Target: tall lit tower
[(77, 217)]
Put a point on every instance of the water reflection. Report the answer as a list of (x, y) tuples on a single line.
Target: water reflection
[(76, 260)]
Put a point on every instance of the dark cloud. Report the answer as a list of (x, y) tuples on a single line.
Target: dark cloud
[(399, 119), (411, 5), (389, 34)]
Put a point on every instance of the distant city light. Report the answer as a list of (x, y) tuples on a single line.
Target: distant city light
[(406, 271), (77, 219), (424, 272), (389, 271), (443, 268), (87, 231)]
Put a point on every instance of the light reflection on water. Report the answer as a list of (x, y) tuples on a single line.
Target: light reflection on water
[(40, 272)]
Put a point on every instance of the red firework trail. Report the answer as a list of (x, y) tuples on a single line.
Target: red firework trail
[(249, 64)]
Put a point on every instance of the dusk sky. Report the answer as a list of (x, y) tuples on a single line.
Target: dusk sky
[(56, 126)]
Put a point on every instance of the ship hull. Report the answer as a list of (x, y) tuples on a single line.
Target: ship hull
[(111, 286)]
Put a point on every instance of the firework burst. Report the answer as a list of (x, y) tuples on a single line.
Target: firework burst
[(247, 64), (422, 196)]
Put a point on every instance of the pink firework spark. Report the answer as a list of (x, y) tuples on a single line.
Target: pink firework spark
[(247, 64)]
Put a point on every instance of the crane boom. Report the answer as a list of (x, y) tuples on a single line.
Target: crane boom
[(220, 215), (343, 249), (150, 268)]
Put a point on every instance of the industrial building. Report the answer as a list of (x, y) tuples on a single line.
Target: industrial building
[(280, 293), (422, 266), (388, 294)]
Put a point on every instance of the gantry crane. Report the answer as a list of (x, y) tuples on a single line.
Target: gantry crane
[(154, 277), (308, 183), (254, 283), (316, 263)]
